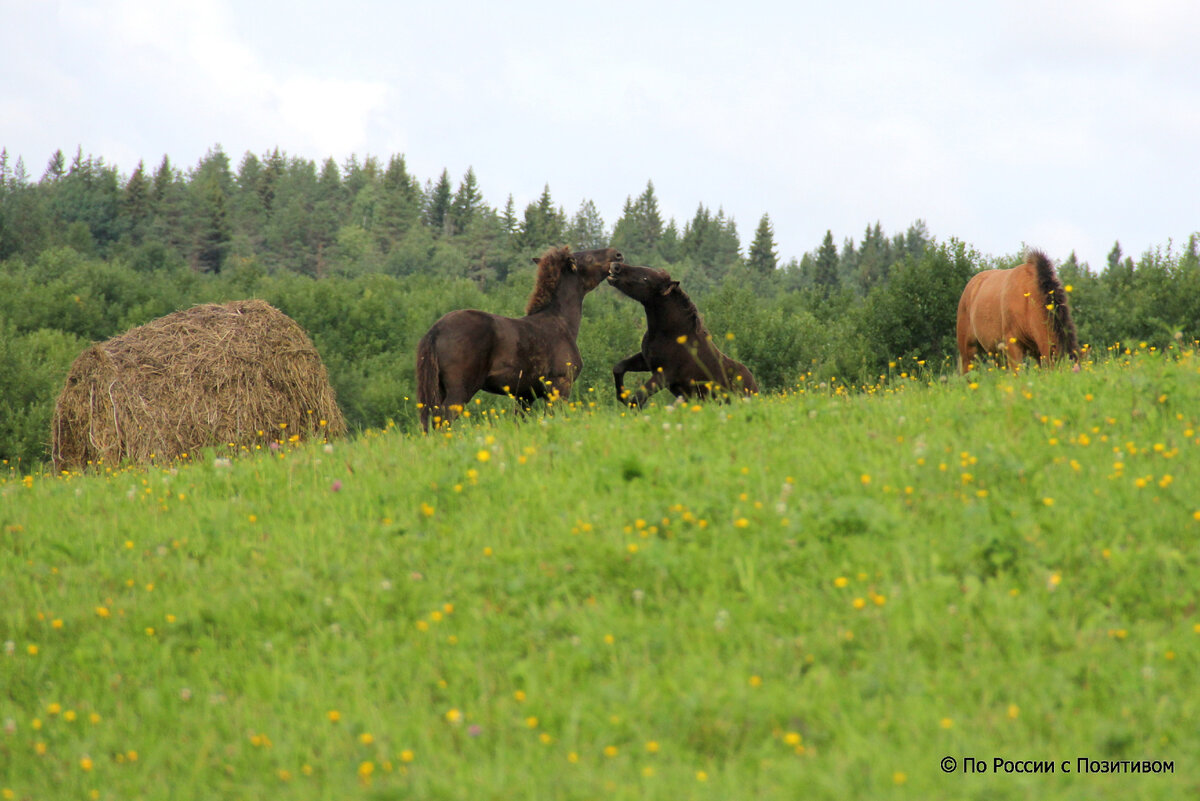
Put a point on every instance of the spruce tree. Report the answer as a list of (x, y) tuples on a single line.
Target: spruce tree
[(438, 198), (762, 258), (467, 201), (825, 267)]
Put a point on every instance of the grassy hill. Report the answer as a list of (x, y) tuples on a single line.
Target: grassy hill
[(811, 595)]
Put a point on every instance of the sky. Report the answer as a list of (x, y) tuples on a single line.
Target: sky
[(1066, 125)]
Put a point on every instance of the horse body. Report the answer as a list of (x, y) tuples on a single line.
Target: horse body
[(1019, 311), (530, 357), (676, 349)]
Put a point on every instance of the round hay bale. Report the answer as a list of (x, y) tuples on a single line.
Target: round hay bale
[(213, 374)]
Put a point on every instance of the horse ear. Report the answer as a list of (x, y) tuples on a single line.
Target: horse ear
[(671, 287)]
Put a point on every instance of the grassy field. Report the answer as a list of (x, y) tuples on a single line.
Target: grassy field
[(817, 595)]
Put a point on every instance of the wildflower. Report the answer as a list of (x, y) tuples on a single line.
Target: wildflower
[(334, 716), (947, 723), (741, 522), (366, 738), (336, 486), (611, 751), (701, 776), (899, 777), (652, 747), (859, 603), (483, 455), (792, 738), (841, 581), (756, 681), (407, 755), (1013, 711), (454, 716), (531, 722), (86, 764)]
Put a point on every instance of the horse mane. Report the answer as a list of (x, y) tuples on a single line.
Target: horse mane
[(1056, 296), (549, 271), (688, 306)]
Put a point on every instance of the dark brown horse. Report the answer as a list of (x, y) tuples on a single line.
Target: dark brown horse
[(677, 349), (1019, 311), (530, 357)]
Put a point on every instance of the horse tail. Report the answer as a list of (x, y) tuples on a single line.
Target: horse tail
[(1055, 296), (429, 385)]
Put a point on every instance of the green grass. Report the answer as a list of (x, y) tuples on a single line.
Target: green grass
[(655, 606)]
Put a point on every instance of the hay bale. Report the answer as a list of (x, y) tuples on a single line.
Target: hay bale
[(209, 375)]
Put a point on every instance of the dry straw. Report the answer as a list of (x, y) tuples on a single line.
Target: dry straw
[(241, 373)]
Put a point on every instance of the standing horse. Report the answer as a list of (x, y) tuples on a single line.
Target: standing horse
[(1022, 311), (530, 357), (677, 349)]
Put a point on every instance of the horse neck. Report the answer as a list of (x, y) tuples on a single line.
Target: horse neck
[(566, 305), (663, 313)]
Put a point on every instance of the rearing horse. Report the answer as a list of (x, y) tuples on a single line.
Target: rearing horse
[(529, 357), (1022, 310)]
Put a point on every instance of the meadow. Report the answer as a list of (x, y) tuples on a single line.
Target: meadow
[(820, 593)]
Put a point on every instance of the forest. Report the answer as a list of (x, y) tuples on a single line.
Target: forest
[(365, 256)]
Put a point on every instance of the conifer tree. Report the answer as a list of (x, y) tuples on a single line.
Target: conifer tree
[(640, 227), (467, 201), (825, 267), (762, 257), (438, 198)]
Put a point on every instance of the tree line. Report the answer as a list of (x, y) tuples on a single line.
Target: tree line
[(366, 257)]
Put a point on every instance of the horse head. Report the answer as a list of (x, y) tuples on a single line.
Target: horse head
[(594, 266), (643, 284)]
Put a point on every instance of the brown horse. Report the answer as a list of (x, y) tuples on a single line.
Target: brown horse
[(530, 357), (677, 349), (1020, 311)]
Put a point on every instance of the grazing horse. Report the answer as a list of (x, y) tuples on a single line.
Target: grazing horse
[(530, 357), (1021, 311), (677, 349)]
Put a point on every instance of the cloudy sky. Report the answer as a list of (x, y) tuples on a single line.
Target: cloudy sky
[(1065, 124)]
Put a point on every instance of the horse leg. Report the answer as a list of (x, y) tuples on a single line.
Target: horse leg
[(633, 364), (657, 381), (1015, 352)]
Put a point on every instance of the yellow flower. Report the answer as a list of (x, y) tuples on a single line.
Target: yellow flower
[(610, 751), (701, 776), (531, 722), (756, 681), (841, 581), (366, 738), (681, 339), (793, 738), (652, 747), (86, 764), (454, 716), (483, 455), (407, 755), (947, 723), (741, 522), (1013, 711), (859, 603)]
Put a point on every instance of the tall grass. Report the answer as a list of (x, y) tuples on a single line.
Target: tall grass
[(809, 595)]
